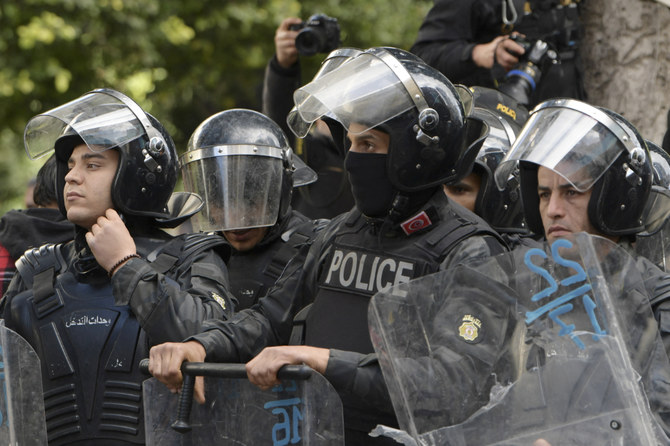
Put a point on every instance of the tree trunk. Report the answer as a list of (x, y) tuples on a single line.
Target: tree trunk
[(626, 54)]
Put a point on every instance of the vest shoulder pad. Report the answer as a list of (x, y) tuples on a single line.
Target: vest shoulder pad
[(456, 228), (179, 249), (38, 260)]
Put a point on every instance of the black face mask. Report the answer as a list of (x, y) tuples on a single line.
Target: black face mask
[(370, 185)]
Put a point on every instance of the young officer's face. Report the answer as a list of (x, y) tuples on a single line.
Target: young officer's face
[(465, 191), (564, 209), (88, 184)]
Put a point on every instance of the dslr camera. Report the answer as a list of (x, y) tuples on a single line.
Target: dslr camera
[(520, 82), (319, 34)]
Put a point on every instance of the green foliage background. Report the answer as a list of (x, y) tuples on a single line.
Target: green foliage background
[(180, 60)]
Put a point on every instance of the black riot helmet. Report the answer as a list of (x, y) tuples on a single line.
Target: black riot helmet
[(394, 91), (501, 208), (240, 162), (107, 119), (590, 147)]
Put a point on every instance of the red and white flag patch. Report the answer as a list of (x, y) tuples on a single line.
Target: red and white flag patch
[(416, 223)]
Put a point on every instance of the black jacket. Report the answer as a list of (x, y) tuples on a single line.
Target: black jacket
[(452, 28), (21, 230), (252, 273)]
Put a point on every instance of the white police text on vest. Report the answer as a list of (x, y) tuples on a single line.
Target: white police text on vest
[(367, 272)]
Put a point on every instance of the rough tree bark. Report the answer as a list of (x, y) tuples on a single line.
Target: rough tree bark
[(626, 52)]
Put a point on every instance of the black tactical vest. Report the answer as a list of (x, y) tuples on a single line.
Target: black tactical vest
[(89, 347), (253, 272), (360, 264)]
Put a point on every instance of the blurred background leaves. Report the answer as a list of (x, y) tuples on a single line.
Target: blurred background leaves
[(181, 61)]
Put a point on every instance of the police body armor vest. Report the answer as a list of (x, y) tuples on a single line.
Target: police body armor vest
[(253, 273), (90, 348), (354, 271)]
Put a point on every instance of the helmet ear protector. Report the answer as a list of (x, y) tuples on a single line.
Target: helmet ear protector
[(620, 196), (465, 131)]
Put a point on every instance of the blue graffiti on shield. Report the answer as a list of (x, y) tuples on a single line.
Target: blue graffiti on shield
[(287, 429), (558, 304)]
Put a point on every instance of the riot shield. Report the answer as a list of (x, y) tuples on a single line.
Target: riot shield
[(22, 420), (583, 361), (305, 410)]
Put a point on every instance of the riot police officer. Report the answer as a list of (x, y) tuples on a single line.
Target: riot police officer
[(477, 191), (241, 163), (587, 169), (92, 307), (406, 135)]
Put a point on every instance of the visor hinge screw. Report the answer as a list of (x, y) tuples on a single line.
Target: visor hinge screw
[(623, 207), (614, 424)]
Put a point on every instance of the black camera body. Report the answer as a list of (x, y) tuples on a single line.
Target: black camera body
[(522, 80), (319, 34)]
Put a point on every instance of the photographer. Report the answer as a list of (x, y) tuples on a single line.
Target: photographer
[(330, 195), (469, 41)]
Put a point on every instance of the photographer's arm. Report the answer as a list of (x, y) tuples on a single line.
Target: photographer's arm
[(285, 50), (282, 75)]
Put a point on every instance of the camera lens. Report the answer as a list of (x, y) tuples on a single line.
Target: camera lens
[(521, 82), (309, 41)]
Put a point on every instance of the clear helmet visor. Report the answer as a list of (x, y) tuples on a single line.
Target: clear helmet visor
[(302, 173), (241, 186), (364, 90), (575, 140), (334, 59), (103, 119)]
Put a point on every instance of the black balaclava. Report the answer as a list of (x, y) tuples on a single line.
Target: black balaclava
[(370, 184)]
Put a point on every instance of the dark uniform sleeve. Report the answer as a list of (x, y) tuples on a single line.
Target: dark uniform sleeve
[(278, 86), (170, 310), (448, 34)]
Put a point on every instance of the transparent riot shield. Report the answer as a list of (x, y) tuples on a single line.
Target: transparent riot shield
[(303, 410), (22, 420), (582, 361)]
